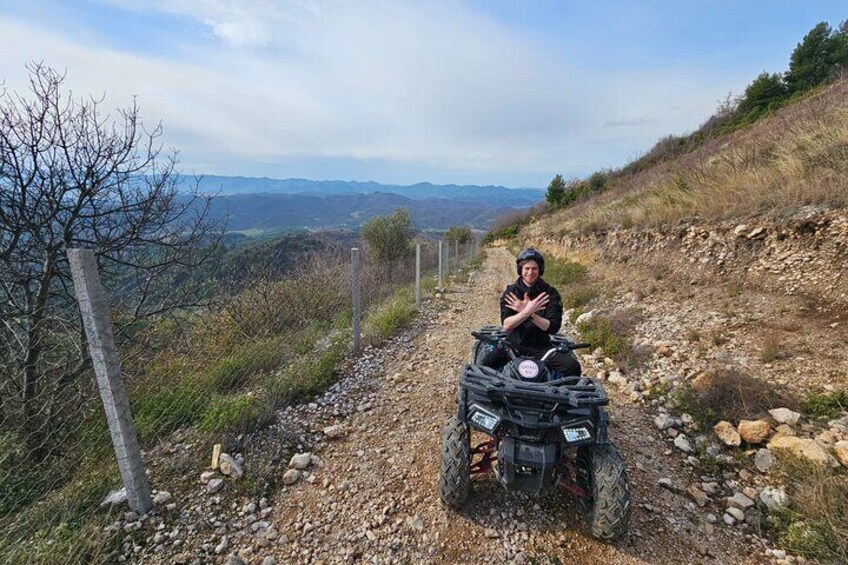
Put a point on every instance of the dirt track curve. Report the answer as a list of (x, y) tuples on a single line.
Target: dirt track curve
[(374, 498)]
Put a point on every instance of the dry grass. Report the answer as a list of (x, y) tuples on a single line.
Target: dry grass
[(797, 157), (729, 394), (772, 348), (815, 524)]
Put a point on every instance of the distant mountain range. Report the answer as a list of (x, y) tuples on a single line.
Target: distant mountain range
[(495, 195), (267, 205), (269, 212)]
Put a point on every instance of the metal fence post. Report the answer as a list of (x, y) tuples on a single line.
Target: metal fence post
[(356, 289), (107, 367), (418, 276), (441, 254)]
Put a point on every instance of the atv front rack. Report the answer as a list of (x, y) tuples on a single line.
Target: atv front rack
[(574, 391)]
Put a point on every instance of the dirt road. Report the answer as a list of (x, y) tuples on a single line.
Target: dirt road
[(373, 497)]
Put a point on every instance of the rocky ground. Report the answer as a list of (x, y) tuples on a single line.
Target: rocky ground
[(362, 486)]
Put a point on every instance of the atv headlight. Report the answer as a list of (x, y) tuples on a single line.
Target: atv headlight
[(485, 420), (528, 369), (573, 435)]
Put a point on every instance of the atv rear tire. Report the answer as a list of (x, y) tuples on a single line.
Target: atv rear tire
[(455, 475), (604, 478)]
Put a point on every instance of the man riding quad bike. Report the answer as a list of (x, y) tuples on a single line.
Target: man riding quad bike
[(546, 427)]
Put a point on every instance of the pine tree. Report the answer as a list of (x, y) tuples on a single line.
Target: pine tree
[(761, 93), (556, 191), (809, 64)]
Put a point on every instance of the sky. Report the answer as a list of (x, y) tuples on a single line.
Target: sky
[(503, 92)]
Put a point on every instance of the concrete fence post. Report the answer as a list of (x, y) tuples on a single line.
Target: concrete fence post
[(356, 295), (441, 255), (456, 254), (418, 276), (107, 367)]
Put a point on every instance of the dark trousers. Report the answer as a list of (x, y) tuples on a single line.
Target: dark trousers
[(566, 365)]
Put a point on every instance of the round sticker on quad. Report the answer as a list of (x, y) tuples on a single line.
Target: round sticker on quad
[(528, 369)]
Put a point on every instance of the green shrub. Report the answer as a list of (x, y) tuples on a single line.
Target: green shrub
[(66, 526), (814, 523), (685, 399), (826, 405), (163, 411), (229, 373), (307, 376), (600, 333), (381, 323), (575, 314), (578, 296), (239, 369), (237, 414), (389, 237), (561, 272)]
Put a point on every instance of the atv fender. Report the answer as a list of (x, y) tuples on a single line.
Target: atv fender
[(601, 427), (462, 405)]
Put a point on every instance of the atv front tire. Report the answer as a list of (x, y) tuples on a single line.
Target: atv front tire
[(604, 478), (455, 475), (479, 351)]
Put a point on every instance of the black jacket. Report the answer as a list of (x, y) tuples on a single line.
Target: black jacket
[(527, 337)]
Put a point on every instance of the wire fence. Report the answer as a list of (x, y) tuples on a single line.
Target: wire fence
[(224, 369)]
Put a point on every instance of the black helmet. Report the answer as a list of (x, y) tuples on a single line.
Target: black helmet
[(530, 254)]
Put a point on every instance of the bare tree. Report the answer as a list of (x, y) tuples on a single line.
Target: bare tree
[(72, 176)]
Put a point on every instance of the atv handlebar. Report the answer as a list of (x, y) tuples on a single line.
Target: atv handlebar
[(497, 337)]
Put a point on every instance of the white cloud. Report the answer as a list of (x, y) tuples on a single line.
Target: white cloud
[(427, 85)]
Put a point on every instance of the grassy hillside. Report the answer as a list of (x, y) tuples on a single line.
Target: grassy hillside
[(795, 157)]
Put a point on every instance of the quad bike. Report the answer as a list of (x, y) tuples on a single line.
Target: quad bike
[(545, 431)]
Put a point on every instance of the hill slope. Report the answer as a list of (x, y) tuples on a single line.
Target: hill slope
[(727, 267)]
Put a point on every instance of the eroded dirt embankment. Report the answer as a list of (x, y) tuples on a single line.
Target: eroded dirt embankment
[(749, 287), (803, 255)]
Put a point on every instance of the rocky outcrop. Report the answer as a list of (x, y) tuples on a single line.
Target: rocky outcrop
[(806, 253)]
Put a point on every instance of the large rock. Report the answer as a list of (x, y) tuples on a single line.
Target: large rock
[(785, 416), (291, 476), (616, 378), (764, 460), (300, 461), (162, 497), (783, 430), (739, 500), (229, 466), (774, 498), (333, 432), (665, 421), (115, 497), (754, 431), (214, 485), (697, 495), (806, 449), (726, 432), (841, 452), (682, 443), (585, 317)]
